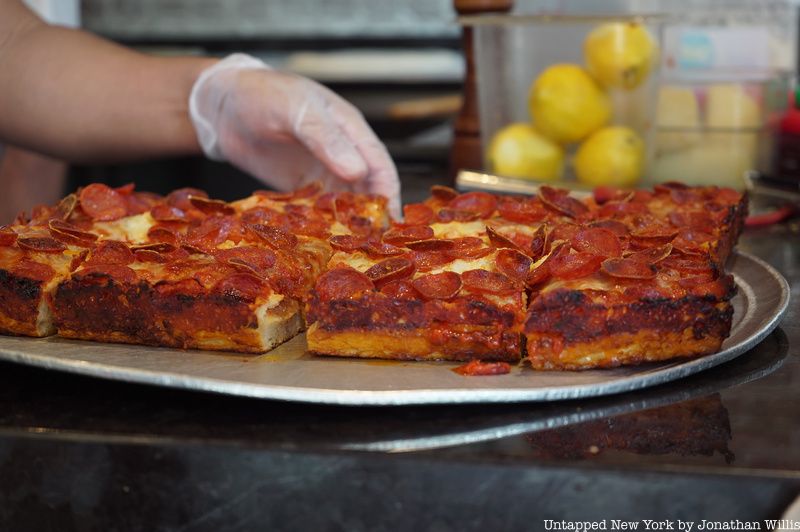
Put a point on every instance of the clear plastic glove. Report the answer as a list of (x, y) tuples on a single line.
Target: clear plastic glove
[(287, 130)]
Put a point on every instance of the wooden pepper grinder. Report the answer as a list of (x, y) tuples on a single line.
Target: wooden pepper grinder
[(466, 151)]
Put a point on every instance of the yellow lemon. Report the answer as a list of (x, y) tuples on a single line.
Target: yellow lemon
[(612, 156), (566, 104), (518, 150), (620, 54)]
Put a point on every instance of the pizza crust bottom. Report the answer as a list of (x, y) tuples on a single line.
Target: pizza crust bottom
[(623, 349), (412, 344)]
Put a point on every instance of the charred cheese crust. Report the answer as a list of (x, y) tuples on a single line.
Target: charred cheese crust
[(100, 308), (567, 329)]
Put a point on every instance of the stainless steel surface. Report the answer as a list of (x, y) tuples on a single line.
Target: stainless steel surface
[(290, 373), (209, 19), (472, 180)]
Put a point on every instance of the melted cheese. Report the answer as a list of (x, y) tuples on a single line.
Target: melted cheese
[(129, 229), (458, 229)]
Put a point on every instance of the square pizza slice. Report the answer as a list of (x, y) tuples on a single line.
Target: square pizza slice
[(642, 281), (424, 291)]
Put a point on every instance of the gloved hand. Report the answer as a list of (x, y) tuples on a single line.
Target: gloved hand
[(287, 130)]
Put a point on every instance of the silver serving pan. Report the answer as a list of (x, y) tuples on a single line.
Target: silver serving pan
[(290, 373)]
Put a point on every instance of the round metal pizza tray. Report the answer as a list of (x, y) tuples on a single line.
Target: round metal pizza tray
[(290, 373)]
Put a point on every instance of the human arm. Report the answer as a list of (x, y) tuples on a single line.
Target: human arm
[(78, 97)]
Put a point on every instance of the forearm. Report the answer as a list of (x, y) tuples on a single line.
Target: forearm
[(75, 96)]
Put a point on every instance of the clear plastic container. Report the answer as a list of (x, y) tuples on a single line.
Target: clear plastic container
[(511, 52), (714, 131)]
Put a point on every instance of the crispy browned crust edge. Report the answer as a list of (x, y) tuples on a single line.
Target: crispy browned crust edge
[(102, 309), (20, 300)]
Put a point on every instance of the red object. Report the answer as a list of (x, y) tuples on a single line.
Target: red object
[(478, 368)]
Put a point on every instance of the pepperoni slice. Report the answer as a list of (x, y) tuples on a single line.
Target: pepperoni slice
[(391, 269), (66, 206), (158, 247), (308, 191), (275, 237), (478, 202), (7, 236), (653, 235), (180, 198), (275, 195), (443, 193), (652, 255), (112, 252), (499, 240), (489, 282), (347, 243), (514, 264), (400, 289), (258, 259), (521, 210), (211, 206), (360, 225), (149, 255), (162, 234), (686, 264), (264, 215), (380, 249), (116, 272), (309, 227), (61, 226), (564, 231), (432, 244), (71, 240), (694, 236), (728, 195), (597, 241), (102, 203), (468, 247), (426, 261), (479, 368), (628, 269), (539, 242), (342, 283), (541, 273), (242, 285), (445, 285), (560, 201), (695, 220), (43, 244), (604, 194), (418, 214), (400, 235), (568, 266), (34, 270), (193, 250), (168, 213), (697, 280), (447, 215), (325, 202), (615, 226), (621, 208)]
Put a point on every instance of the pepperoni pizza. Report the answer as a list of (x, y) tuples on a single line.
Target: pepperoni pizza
[(617, 278), (182, 270)]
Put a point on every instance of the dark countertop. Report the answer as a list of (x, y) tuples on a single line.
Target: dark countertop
[(78, 453)]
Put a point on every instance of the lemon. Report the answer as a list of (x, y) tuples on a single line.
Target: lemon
[(566, 104), (612, 156), (518, 150), (620, 54)]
